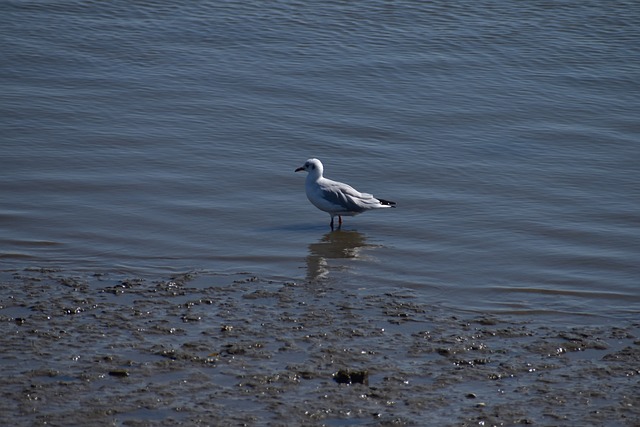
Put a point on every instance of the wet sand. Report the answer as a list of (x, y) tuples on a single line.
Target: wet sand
[(209, 349)]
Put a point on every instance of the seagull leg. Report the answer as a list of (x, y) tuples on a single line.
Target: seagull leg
[(331, 223), (339, 221)]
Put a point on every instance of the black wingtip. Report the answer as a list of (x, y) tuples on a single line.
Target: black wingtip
[(387, 203)]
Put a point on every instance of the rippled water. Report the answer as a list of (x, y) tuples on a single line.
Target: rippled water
[(159, 137)]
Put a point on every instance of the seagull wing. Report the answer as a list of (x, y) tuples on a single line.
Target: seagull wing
[(335, 197), (338, 197), (365, 201)]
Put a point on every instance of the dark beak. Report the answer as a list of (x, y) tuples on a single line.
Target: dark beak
[(299, 169)]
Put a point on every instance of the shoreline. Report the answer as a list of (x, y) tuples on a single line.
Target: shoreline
[(238, 349)]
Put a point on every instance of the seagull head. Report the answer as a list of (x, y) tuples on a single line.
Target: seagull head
[(312, 166)]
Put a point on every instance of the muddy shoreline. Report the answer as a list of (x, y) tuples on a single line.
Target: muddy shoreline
[(234, 349)]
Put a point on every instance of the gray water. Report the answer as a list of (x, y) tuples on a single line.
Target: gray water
[(150, 138)]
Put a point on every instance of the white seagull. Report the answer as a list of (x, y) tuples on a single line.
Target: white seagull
[(335, 197)]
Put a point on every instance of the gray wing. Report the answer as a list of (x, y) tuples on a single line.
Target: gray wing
[(341, 199)]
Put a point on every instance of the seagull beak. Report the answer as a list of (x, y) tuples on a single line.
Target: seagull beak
[(299, 169)]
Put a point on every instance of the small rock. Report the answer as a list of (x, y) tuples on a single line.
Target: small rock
[(345, 376)]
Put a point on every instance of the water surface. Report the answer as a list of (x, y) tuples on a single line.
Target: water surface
[(161, 138)]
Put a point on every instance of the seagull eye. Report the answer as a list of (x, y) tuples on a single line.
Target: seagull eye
[(313, 166)]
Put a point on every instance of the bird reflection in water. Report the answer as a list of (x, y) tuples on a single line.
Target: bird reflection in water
[(333, 245)]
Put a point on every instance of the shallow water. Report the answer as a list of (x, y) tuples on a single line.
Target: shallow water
[(143, 142), (153, 139)]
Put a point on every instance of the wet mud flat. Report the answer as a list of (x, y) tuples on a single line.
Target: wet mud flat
[(207, 349)]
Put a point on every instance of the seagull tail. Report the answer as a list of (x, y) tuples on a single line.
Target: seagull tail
[(387, 203)]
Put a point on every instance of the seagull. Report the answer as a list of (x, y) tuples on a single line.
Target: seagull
[(335, 197)]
